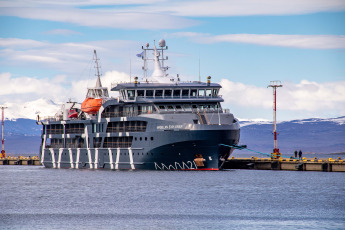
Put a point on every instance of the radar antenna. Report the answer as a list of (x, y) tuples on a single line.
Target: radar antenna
[(160, 58)]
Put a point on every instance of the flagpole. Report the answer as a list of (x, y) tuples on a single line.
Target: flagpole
[(130, 70)]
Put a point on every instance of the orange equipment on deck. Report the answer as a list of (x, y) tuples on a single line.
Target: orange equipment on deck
[(91, 105)]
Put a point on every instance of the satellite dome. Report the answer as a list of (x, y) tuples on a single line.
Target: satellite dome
[(161, 43)]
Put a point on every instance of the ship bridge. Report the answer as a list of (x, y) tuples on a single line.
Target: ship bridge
[(159, 92)]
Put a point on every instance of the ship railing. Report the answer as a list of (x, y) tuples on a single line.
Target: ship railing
[(74, 130), (55, 146), (124, 113), (126, 129), (54, 131), (121, 98), (67, 146), (190, 110), (52, 118), (68, 131), (117, 144), (73, 145)]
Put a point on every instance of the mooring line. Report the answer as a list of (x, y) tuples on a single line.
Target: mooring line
[(241, 148)]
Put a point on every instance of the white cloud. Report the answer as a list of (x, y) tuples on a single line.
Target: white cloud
[(66, 57), (224, 8), (295, 41), (24, 88), (306, 97), (287, 40), (111, 18), (25, 96), (313, 96), (37, 58), (245, 95), (20, 43), (62, 32), (195, 8), (152, 15), (31, 3)]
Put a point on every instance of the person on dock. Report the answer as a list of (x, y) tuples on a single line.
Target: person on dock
[(300, 154), (295, 153)]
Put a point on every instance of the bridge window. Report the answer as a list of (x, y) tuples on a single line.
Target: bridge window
[(193, 92), (141, 93), (158, 93), (149, 93), (215, 93), (177, 93), (201, 93), (208, 92), (167, 93), (185, 92), (123, 94), (131, 94)]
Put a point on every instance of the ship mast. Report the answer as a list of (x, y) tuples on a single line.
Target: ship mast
[(3, 154), (98, 83)]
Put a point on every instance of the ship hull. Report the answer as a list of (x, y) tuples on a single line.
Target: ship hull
[(167, 150)]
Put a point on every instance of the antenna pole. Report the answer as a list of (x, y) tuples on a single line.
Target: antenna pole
[(96, 60), (130, 70), (275, 84), (3, 154), (199, 70)]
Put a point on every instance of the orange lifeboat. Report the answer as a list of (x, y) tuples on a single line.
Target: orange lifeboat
[(91, 105)]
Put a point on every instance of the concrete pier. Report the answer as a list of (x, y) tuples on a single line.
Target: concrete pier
[(325, 165), (20, 161)]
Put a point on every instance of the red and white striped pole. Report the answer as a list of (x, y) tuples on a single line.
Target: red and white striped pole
[(2, 132), (275, 85)]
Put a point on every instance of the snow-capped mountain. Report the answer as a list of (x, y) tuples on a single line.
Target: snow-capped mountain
[(29, 110), (245, 122), (311, 135)]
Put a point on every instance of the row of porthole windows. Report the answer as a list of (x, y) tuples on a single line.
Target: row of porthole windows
[(140, 138)]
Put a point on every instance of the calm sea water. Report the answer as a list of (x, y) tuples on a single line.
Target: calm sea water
[(33, 197)]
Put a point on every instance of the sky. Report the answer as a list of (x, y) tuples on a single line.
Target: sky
[(46, 50)]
